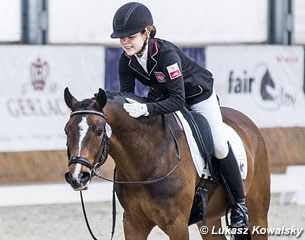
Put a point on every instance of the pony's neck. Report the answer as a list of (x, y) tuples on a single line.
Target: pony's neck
[(134, 143)]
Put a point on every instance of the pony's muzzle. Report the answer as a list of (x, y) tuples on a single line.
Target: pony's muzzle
[(79, 183)]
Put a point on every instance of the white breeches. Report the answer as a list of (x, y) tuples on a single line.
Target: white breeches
[(209, 108)]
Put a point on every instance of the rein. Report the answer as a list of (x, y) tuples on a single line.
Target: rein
[(147, 182), (104, 149)]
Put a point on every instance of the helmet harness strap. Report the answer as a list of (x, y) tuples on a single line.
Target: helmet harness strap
[(140, 53)]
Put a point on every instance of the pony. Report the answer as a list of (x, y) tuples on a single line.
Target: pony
[(153, 159)]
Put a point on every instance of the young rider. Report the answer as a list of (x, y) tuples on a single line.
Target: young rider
[(175, 80)]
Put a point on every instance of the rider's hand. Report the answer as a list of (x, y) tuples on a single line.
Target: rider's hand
[(135, 109)]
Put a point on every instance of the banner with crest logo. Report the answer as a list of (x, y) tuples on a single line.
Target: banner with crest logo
[(264, 82), (33, 79)]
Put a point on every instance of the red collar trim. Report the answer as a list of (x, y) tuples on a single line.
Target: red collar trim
[(155, 49)]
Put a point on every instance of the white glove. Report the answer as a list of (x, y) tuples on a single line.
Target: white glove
[(135, 109)]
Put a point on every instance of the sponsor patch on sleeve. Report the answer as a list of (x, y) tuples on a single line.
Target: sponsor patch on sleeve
[(174, 71)]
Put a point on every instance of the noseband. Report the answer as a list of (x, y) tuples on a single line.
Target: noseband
[(103, 150)]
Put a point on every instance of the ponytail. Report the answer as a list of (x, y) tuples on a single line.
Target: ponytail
[(152, 30)]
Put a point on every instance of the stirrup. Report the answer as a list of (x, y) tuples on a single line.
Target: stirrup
[(241, 215)]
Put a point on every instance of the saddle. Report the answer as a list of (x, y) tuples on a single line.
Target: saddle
[(203, 136)]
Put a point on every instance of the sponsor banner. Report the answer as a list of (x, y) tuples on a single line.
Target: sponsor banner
[(33, 111), (264, 82)]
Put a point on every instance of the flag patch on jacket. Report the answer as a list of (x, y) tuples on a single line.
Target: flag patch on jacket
[(174, 71), (160, 77)]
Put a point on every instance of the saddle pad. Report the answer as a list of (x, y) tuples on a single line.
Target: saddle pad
[(234, 139)]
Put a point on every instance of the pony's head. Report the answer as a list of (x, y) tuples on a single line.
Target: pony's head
[(87, 138)]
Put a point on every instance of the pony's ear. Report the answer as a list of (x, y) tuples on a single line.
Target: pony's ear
[(69, 99), (101, 98)]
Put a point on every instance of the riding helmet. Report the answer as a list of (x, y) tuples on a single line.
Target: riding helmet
[(130, 19)]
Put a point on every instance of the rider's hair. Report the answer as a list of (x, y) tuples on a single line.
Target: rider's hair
[(151, 29), (152, 32)]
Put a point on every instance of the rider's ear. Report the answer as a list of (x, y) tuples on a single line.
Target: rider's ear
[(69, 99), (101, 98)]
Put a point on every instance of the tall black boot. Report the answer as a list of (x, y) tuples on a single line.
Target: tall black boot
[(230, 171)]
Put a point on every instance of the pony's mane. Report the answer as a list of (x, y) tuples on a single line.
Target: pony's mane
[(116, 97), (120, 97)]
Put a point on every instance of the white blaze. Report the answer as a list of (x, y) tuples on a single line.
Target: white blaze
[(83, 128)]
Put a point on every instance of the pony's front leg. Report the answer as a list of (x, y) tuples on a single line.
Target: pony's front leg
[(177, 230), (135, 228)]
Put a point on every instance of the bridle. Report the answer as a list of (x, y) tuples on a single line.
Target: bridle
[(102, 153)]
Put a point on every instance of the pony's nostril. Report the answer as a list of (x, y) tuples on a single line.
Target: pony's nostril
[(71, 180), (80, 182), (84, 177), (74, 183), (68, 177)]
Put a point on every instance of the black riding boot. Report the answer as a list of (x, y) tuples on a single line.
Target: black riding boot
[(230, 171)]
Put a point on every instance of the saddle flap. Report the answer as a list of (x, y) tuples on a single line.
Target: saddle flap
[(200, 141)]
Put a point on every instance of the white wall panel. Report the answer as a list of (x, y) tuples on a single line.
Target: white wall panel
[(183, 22), (10, 20), (299, 21)]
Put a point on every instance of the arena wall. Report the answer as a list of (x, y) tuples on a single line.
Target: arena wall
[(39, 167), (285, 147)]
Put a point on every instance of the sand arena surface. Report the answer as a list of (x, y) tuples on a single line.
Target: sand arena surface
[(65, 221)]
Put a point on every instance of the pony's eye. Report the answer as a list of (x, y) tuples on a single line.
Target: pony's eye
[(99, 132)]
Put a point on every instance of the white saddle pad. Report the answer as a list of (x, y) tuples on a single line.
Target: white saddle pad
[(234, 139)]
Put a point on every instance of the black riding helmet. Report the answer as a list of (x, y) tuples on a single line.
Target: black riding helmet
[(130, 19)]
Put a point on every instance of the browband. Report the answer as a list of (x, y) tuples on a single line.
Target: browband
[(88, 112)]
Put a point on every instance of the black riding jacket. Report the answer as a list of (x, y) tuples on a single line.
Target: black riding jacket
[(172, 76)]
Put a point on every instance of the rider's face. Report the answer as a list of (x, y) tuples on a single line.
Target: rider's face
[(133, 44)]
